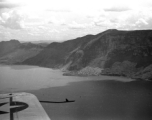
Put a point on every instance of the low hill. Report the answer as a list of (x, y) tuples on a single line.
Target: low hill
[(13, 51), (8, 46)]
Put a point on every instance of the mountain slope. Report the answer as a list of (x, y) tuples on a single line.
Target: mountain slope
[(55, 54), (115, 46), (109, 49), (13, 51)]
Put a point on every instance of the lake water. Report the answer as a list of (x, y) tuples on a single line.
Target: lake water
[(96, 98), (22, 77)]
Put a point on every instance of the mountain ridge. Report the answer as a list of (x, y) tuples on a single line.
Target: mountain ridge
[(13, 51), (107, 50)]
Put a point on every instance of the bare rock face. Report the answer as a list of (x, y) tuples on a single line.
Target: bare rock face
[(125, 68), (145, 73)]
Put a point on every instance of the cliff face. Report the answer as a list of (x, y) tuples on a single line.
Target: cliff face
[(104, 50)]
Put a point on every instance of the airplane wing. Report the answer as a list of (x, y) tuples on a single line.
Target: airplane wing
[(21, 106)]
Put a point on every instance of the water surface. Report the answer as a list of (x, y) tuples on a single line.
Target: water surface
[(96, 98), (23, 77), (99, 100)]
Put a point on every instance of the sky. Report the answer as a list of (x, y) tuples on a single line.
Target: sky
[(59, 20)]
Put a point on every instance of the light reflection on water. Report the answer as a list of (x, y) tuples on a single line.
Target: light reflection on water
[(22, 77), (28, 78)]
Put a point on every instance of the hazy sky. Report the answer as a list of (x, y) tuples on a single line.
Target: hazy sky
[(66, 19)]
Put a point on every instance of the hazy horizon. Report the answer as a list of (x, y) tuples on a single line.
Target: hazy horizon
[(50, 41), (59, 20)]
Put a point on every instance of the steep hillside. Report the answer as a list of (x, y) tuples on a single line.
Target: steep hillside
[(111, 50), (56, 54), (114, 46), (14, 52)]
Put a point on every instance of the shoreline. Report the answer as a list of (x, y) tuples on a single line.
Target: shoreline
[(96, 97), (77, 74), (59, 80)]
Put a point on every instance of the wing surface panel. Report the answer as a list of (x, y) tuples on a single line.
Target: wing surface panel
[(21, 106)]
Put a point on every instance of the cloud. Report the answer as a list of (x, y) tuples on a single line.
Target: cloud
[(105, 21), (141, 21), (130, 20), (8, 5), (11, 20), (58, 10), (54, 20), (50, 20), (117, 9), (75, 25), (2, 36), (136, 20)]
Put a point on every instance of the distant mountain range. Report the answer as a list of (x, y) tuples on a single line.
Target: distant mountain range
[(13, 51), (112, 52)]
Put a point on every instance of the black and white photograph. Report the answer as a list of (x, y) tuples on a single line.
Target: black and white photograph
[(75, 59)]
